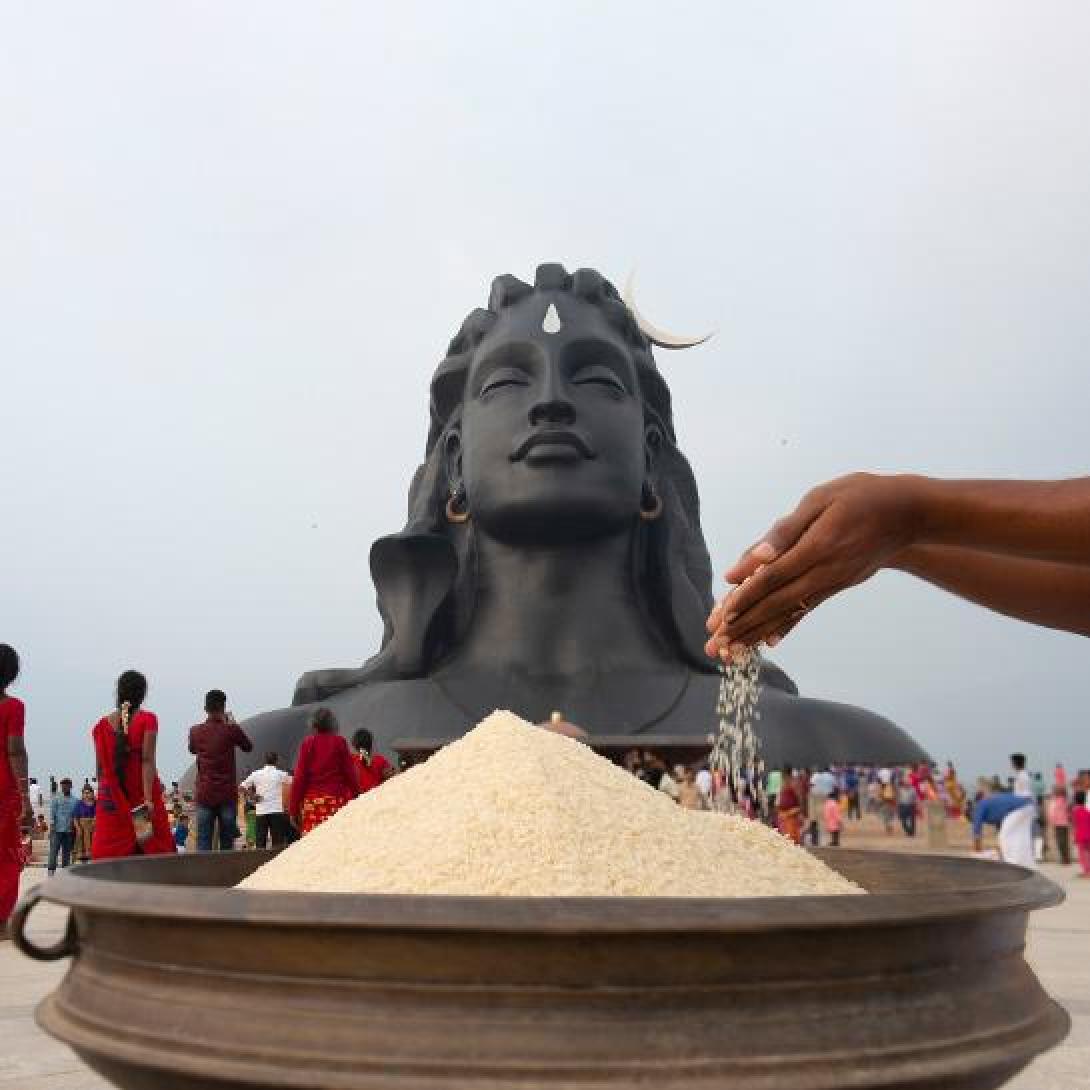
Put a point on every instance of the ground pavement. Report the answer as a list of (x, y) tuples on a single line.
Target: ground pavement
[(1058, 949)]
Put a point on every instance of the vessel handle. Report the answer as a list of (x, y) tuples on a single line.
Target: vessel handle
[(65, 947)]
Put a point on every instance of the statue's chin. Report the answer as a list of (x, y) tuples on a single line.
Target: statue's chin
[(561, 522)]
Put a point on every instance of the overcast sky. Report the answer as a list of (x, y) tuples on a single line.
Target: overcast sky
[(236, 238)]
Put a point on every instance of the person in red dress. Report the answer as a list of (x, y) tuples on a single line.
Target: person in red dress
[(16, 813), (373, 768), (325, 776), (130, 817)]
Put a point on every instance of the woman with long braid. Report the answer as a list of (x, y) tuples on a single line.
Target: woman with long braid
[(131, 817)]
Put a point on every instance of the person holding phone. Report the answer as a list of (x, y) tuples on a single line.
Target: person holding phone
[(213, 743)]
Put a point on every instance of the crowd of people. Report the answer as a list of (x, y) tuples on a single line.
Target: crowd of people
[(811, 806), (124, 810)]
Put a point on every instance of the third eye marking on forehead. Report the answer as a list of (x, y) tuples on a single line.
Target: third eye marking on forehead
[(551, 322)]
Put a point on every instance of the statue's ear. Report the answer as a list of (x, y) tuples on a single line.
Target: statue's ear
[(652, 447), (414, 575), (452, 458)]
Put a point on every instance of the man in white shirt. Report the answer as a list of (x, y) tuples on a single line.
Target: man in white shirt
[(267, 784), (1023, 786)]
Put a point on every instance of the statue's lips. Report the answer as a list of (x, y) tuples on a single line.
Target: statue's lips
[(552, 444)]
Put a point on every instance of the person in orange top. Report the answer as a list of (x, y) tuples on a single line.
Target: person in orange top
[(16, 812), (130, 815), (325, 776), (789, 808), (373, 768)]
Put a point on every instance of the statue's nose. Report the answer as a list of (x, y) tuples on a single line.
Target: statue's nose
[(552, 411)]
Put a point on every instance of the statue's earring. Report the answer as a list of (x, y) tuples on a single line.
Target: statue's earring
[(458, 505), (650, 503)]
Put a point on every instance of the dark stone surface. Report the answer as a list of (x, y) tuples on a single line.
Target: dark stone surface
[(555, 594)]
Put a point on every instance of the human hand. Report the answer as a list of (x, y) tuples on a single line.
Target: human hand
[(26, 818), (839, 535)]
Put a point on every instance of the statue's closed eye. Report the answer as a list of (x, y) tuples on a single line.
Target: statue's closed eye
[(599, 375), (501, 377)]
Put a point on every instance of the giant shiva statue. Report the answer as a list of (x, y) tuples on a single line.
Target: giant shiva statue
[(553, 556)]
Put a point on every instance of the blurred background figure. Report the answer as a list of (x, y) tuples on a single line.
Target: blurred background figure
[(62, 823), (84, 824), (1059, 822)]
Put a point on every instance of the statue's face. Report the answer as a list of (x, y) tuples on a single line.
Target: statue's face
[(552, 444)]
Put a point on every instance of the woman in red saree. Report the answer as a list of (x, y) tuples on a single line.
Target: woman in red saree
[(789, 809), (131, 817), (372, 768), (15, 809), (325, 776)]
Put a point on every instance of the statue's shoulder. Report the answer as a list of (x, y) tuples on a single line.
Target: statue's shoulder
[(809, 732), (397, 712)]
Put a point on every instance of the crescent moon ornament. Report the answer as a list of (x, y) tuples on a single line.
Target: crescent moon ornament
[(657, 336)]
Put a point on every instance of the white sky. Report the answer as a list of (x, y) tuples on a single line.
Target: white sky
[(235, 239)]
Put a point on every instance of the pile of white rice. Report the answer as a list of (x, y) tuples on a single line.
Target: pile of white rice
[(515, 810)]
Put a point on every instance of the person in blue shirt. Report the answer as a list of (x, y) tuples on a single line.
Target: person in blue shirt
[(851, 786), (1012, 815), (181, 832), (62, 816)]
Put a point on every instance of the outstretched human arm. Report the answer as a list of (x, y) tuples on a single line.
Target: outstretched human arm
[(1024, 549), (1042, 591)]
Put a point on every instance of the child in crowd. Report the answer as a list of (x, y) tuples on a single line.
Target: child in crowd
[(1080, 819), (832, 817)]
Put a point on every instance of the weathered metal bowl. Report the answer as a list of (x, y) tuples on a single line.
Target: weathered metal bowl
[(179, 981)]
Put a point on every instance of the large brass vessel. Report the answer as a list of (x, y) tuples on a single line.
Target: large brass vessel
[(179, 981)]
